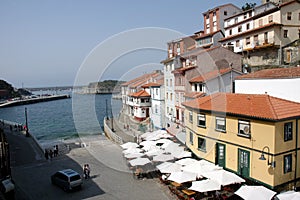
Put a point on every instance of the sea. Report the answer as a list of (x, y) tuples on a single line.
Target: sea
[(79, 116)]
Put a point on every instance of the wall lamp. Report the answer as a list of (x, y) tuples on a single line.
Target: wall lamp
[(262, 157)]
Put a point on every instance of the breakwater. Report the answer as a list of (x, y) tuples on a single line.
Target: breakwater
[(34, 100)]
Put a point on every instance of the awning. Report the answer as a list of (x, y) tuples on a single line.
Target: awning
[(223, 177), (139, 161), (289, 195), (129, 145)]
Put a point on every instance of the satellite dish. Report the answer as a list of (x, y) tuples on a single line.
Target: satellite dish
[(246, 129)]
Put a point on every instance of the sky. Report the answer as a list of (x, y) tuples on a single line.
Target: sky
[(59, 42)]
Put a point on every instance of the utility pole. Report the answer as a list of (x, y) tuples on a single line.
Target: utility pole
[(106, 112), (112, 120), (26, 123)]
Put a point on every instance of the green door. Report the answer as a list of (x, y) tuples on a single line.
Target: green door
[(244, 163), (221, 155)]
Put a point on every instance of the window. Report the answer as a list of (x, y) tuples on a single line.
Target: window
[(225, 13), (240, 29), (230, 32), (191, 117), (156, 91), (220, 124), (289, 16), (250, 14), (244, 128), (167, 95), (207, 26), (287, 163), (171, 82), (255, 38), (285, 33), (201, 144), (191, 137), (245, 15), (156, 109), (288, 131), (299, 16), (214, 13), (214, 24), (171, 96), (270, 18), (236, 20), (201, 120), (167, 82), (260, 22), (266, 37), (248, 26), (247, 40), (237, 43)]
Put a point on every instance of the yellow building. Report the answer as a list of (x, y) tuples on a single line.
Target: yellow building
[(253, 135)]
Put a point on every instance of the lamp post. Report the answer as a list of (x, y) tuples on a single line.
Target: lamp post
[(262, 157), (26, 123)]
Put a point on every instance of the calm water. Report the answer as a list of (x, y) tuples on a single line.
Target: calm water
[(80, 115)]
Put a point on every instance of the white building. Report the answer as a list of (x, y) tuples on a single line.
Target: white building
[(280, 82), (260, 33), (157, 111)]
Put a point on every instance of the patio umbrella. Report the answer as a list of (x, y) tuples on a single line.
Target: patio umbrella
[(200, 167), (155, 152), (289, 195), (168, 167), (182, 154), (148, 143), (182, 177), (255, 192), (133, 155), (139, 161), (132, 150), (186, 161), (223, 177), (163, 158), (129, 145), (205, 186)]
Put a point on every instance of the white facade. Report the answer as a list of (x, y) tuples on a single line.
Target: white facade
[(169, 81), (285, 88), (157, 111)]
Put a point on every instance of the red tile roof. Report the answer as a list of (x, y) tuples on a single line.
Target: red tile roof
[(151, 85), (140, 78), (250, 105), (293, 72), (183, 69), (141, 93), (210, 75), (194, 95)]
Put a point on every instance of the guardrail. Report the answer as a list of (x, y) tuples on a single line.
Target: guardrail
[(111, 135)]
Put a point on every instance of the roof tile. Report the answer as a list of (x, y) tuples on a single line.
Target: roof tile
[(252, 105)]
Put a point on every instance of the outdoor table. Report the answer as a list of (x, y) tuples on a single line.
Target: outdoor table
[(176, 184), (188, 192)]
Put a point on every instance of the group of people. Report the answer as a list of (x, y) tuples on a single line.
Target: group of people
[(51, 153), (86, 171)]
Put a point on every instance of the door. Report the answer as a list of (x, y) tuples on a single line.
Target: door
[(243, 163), (221, 155)]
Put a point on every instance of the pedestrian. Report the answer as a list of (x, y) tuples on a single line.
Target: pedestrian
[(51, 154), (46, 154), (86, 171), (56, 149)]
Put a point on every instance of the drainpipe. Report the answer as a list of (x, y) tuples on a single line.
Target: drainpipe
[(296, 160)]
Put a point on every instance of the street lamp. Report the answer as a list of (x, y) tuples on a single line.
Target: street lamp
[(26, 122), (262, 157)]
